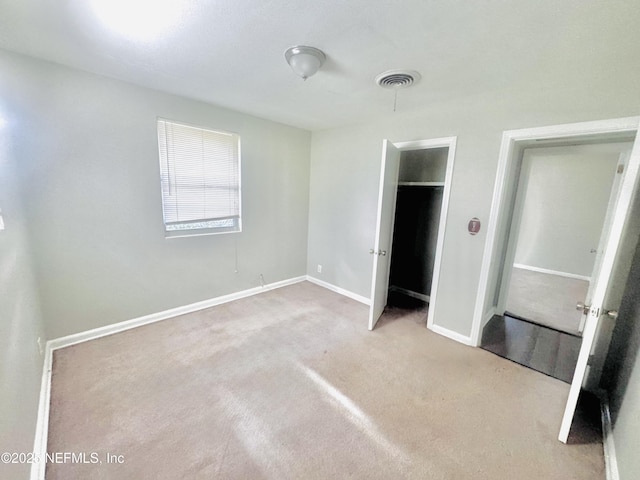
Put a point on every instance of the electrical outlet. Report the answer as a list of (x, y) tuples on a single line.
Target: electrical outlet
[(319, 268), (40, 346)]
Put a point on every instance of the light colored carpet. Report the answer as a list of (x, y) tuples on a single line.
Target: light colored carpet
[(546, 299), (289, 384)]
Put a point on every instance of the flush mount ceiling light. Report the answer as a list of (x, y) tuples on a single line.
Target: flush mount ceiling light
[(304, 61), (397, 79)]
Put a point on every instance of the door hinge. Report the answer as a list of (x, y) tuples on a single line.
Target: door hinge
[(620, 168), (591, 359)]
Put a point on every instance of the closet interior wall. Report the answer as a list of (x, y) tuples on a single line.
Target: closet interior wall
[(417, 216)]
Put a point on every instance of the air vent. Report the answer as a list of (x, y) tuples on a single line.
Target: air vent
[(396, 79)]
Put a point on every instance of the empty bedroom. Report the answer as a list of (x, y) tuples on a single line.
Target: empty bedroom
[(280, 240)]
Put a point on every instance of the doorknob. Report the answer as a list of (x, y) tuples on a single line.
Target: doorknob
[(583, 308), (382, 252), (371, 251), (613, 314)]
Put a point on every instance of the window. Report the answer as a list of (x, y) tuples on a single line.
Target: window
[(200, 178)]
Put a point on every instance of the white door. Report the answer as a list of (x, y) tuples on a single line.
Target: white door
[(606, 227), (606, 289), (381, 250)]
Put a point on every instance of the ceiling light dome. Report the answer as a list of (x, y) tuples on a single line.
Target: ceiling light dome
[(304, 61)]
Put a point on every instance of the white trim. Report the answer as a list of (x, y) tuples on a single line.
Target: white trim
[(173, 312), (522, 266), (593, 333), (410, 293), (509, 140), (42, 422), (341, 291), (608, 443), (487, 317), (450, 143), (425, 144), (445, 332), (490, 315), (506, 151)]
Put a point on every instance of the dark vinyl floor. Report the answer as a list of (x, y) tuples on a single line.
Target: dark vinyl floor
[(403, 301), (535, 346)]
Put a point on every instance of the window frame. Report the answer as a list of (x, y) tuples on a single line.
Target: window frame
[(199, 231)]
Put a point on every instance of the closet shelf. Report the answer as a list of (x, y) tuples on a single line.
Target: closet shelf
[(421, 184)]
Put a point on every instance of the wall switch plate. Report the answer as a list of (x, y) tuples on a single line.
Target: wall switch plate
[(319, 268)]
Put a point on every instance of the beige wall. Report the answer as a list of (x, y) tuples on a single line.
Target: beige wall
[(20, 319), (566, 192), (345, 170), (87, 149)]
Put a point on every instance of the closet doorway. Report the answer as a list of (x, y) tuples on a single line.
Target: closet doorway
[(415, 183)]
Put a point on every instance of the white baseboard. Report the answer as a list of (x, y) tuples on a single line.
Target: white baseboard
[(445, 332), (410, 293), (173, 312), (485, 319), (42, 423), (341, 291), (435, 328), (488, 316), (521, 266), (610, 459)]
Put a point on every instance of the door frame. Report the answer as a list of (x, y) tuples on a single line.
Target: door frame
[(450, 143), (512, 145), (511, 243)]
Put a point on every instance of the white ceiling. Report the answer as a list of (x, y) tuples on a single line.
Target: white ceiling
[(231, 52)]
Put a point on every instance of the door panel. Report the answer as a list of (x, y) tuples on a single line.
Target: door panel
[(381, 251), (607, 290), (613, 298), (611, 209)]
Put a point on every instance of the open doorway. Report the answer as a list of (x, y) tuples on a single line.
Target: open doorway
[(412, 208), (563, 206), (417, 218), (608, 277)]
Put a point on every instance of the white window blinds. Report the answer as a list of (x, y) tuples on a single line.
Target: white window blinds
[(200, 177)]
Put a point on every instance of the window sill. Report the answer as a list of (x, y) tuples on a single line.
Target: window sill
[(198, 233)]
